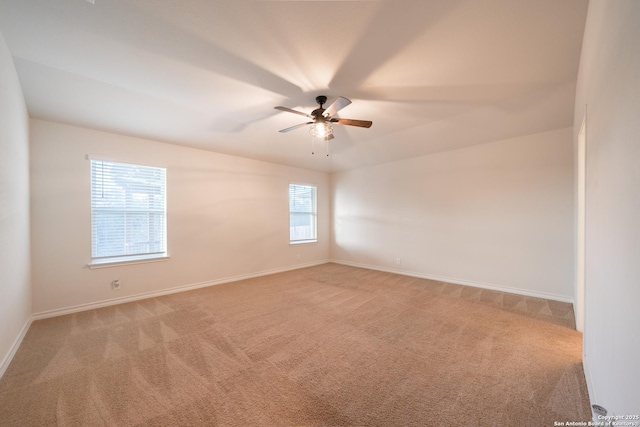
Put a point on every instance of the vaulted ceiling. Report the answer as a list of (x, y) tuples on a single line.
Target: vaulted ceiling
[(432, 75)]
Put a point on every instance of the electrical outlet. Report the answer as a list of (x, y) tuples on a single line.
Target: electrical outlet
[(115, 284), (398, 261)]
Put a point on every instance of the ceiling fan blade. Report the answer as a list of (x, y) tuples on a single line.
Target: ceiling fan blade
[(289, 110), (337, 105), (352, 122), (295, 127)]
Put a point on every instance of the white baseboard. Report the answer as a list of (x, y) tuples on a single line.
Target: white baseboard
[(14, 348), (145, 295), (463, 282)]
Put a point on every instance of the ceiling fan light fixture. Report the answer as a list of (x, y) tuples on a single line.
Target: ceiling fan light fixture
[(321, 129)]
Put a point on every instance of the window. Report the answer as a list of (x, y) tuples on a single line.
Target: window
[(302, 214), (128, 212)]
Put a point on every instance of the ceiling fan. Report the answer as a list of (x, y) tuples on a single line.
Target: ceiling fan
[(320, 126)]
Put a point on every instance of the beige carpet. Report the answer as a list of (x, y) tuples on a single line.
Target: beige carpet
[(327, 345)]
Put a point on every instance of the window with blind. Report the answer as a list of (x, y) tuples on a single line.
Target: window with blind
[(302, 214), (128, 212)]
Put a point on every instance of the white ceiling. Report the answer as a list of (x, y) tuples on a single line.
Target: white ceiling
[(432, 75)]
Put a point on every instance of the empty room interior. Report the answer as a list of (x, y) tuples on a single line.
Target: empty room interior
[(319, 212)]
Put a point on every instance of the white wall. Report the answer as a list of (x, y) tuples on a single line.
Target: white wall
[(609, 87), (15, 287), (498, 214), (227, 217)]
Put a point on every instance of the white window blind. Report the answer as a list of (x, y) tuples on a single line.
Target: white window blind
[(302, 214), (128, 211)]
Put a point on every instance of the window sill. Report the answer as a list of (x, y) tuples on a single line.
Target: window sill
[(303, 242), (122, 261)]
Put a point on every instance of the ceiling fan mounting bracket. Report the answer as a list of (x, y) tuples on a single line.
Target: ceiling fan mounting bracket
[(321, 99)]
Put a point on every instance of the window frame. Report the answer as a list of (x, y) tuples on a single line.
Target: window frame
[(313, 214), (123, 259)]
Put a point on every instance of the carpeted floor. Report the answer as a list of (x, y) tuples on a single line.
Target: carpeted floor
[(326, 345)]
